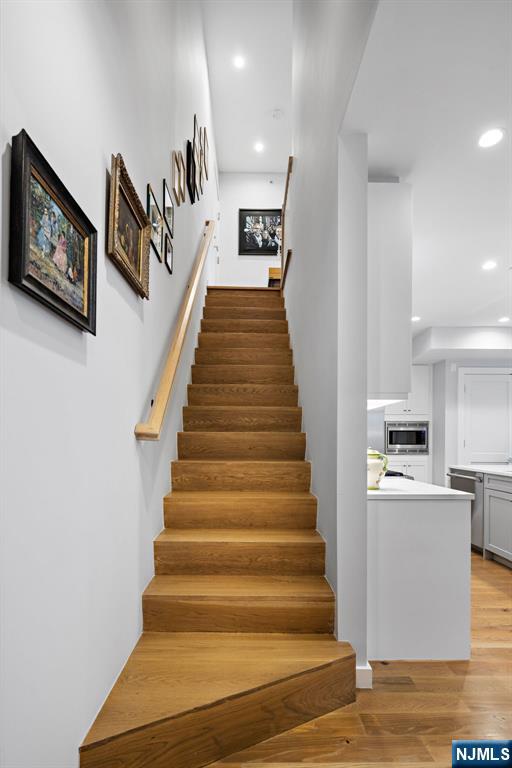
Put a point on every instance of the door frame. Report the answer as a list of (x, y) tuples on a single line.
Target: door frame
[(462, 373)]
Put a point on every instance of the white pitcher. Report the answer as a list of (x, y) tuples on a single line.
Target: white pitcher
[(377, 464)]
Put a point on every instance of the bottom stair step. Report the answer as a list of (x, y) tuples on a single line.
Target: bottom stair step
[(188, 699)]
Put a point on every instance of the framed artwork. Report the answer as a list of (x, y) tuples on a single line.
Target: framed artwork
[(205, 152), (183, 177), (168, 253), (157, 223), (176, 177), (197, 166), (197, 138), (259, 231), (129, 229), (53, 245), (191, 173), (168, 208)]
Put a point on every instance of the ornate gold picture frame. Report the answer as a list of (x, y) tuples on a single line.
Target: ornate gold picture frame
[(129, 229)]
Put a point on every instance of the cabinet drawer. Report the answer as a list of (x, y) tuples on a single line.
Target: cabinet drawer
[(497, 483)]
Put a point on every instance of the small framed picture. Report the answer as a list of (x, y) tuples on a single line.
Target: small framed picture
[(168, 208), (197, 165), (183, 177), (157, 224), (205, 152), (168, 253), (191, 173), (176, 177)]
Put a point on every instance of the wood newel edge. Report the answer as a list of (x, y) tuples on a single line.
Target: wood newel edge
[(150, 430), (283, 219)]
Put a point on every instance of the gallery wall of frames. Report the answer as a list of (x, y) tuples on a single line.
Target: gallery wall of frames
[(53, 245)]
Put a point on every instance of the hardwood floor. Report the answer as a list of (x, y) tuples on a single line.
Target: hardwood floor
[(415, 708)]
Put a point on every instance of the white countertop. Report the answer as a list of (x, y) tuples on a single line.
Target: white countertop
[(400, 488), (504, 470)]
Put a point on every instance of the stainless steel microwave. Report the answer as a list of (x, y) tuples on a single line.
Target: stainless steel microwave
[(407, 437)]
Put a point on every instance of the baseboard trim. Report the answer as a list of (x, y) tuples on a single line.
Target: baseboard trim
[(364, 676)]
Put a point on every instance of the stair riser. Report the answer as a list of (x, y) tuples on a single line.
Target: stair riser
[(242, 374), (244, 326), (244, 340), (205, 735), (243, 420), (252, 395), (205, 557), (244, 313), (239, 513), (240, 476), (269, 302), (271, 446), (250, 291), (186, 614), (240, 356)]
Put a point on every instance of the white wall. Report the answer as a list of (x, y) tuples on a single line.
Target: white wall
[(81, 500), (329, 40), (352, 389), (245, 190)]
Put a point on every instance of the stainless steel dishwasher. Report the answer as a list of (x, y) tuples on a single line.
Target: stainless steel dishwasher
[(472, 482)]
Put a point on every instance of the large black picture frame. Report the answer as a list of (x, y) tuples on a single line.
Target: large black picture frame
[(248, 242), (27, 165)]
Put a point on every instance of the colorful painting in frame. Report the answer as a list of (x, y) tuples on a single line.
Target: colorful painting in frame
[(129, 229), (52, 249)]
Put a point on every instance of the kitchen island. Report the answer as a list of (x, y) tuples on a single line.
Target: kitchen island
[(418, 571)]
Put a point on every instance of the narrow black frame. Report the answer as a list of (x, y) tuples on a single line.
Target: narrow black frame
[(151, 194), (168, 240), (170, 225), (242, 213), (25, 157), (191, 173)]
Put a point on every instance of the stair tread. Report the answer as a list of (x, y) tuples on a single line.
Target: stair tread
[(233, 587), (264, 288), (169, 674), (240, 535), (220, 496)]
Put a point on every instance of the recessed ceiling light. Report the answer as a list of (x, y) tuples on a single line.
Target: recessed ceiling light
[(490, 138), (239, 62), (487, 265), (504, 320), (259, 147), (415, 319)]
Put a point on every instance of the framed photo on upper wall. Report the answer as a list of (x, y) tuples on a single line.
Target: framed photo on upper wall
[(259, 231), (168, 253), (191, 173), (52, 247), (129, 229), (183, 177), (176, 177)]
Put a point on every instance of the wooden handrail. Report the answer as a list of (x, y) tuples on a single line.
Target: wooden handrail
[(283, 217), (150, 429), (285, 272)]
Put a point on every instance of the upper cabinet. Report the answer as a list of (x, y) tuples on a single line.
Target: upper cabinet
[(389, 290), (419, 401)]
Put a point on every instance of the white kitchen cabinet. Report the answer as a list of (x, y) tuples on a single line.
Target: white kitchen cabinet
[(389, 250), (498, 517), (419, 402), (419, 469), (485, 417)]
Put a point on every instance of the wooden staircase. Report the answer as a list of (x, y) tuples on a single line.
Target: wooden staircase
[(238, 620)]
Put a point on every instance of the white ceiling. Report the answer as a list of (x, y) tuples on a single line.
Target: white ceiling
[(435, 75), (243, 100)]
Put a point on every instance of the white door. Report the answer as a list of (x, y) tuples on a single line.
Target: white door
[(486, 418)]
